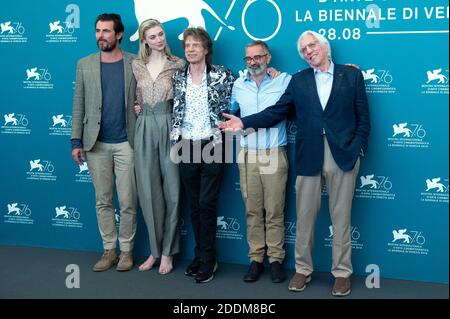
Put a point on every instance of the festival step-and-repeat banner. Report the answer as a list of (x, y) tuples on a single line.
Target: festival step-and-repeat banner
[(400, 211)]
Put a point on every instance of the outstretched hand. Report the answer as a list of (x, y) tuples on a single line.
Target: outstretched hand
[(233, 124)]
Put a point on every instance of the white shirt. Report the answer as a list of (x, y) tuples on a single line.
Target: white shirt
[(324, 83), (196, 122)]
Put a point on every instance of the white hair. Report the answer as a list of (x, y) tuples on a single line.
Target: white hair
[(322, 40)]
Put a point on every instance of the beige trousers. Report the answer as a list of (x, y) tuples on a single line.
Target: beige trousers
[(264, 191), (341, 187), (106, 161)]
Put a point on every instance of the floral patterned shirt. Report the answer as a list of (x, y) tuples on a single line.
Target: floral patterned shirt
[(219, 82)]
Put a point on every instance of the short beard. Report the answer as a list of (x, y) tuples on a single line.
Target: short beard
[(256, 72), (107, 48)]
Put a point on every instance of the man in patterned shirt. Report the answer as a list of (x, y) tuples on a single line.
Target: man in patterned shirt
[(202, 93)]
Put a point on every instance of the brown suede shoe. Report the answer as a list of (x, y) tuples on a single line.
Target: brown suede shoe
[(298, 282), (341, 287), (125, 261), (109, 259)]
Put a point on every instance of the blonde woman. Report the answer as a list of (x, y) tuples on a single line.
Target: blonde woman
[(157, 177)]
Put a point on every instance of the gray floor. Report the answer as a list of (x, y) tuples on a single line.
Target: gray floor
[(27, 272)]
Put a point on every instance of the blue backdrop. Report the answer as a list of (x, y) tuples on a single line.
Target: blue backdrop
[(400, 211)]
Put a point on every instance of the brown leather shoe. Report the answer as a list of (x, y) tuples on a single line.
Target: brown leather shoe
[(298, 282), (342, 287), (108, 259), (125, 261)]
